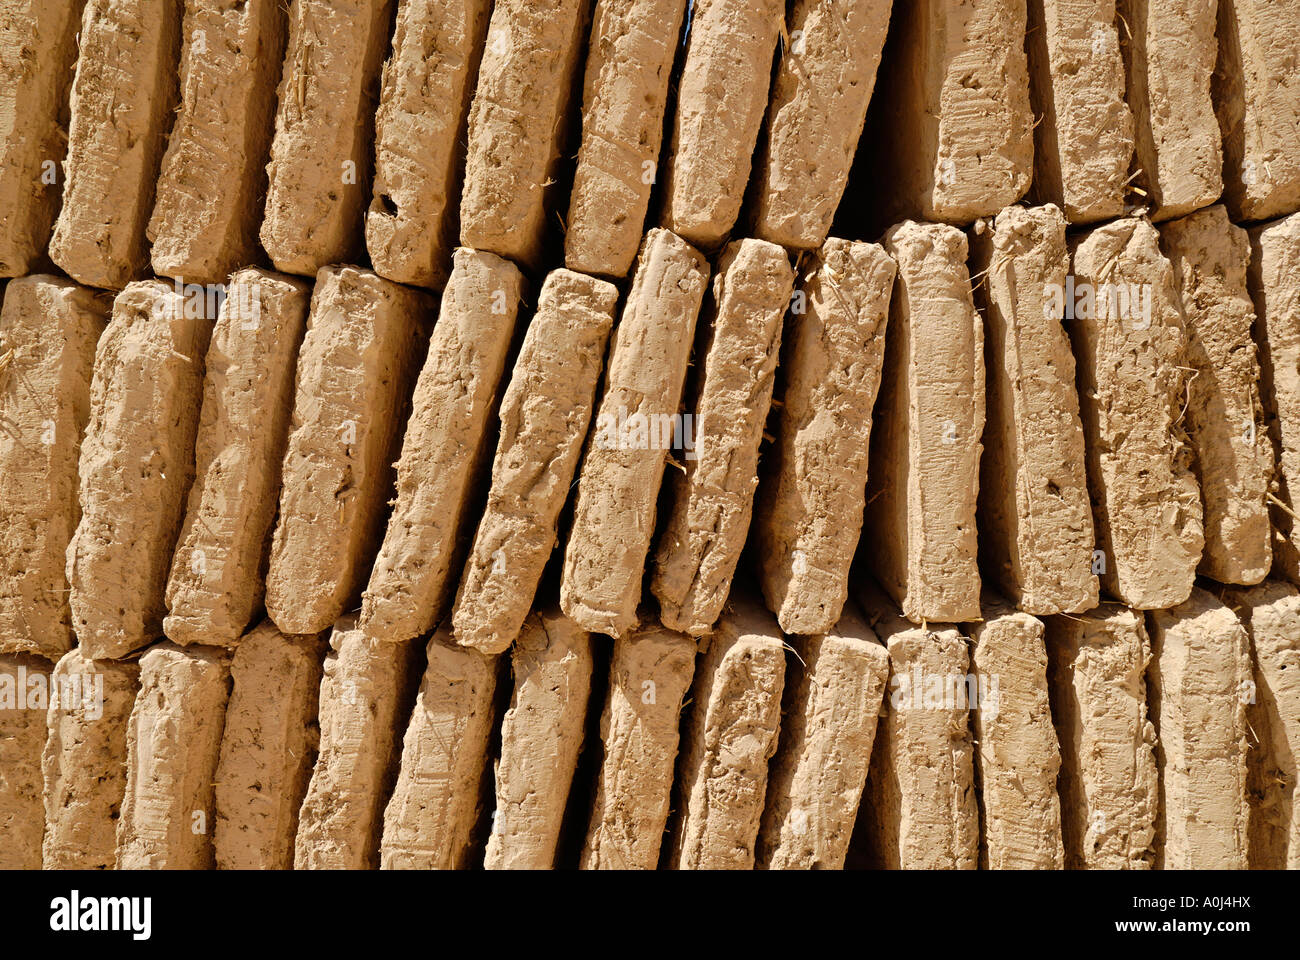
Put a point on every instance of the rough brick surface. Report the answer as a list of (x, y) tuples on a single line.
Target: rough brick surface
[(1017, 756), (1271, 614), (1273, 280), (721, 101), (1198, 683), (428, 82), (1169, 53), (1083, 147), (123, 97), (1108, 785), (810, 503), (1225, 418), (137, 464), (545, 413), (920, 811), (649, 677), (1257, 100), (24, 697), (819, 105), (954, 96), (320, 155), (365, 696), (173, 741), (364, 338), (430, 820), (209, 198), (216, 584), (815, 781), (541, 736), (38, 47), (1130, 343), (268, 748), (728, 741), (614, 517), (629, 64), (925, 451), (518, 124), (711, 499), (48, 331), (445, 449), (84, 762), (1035, 519)]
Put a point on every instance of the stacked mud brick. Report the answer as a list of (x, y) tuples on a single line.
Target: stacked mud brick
[(641, 433)]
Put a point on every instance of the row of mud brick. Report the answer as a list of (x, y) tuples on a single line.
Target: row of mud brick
[(196, 499)]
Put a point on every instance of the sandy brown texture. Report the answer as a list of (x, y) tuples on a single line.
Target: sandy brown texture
[(721, 101), (819, 105), (320, 155), (925, 452), (24, 696), (614, 516), (365, 336), (1273, 279), (208, 204), (518, 125), (1169, 52), (137, 464), (365, 697), (1035, 520), (48, 331), (1108, 785), (629, 64), (1017, 756), (810, 502), (429, 822), (173, 741), (712, 498), (123, 97), (1257, 100), (268, 748), (728, 740), (428, 82), (84, 761), (815, 781), (445, 449), (545, 413), (38, 47), (1130, 346), (216, 584), (920, 811), (955, 111), (1225, 417), (649, 677), (1197, 688), (1083, 146), (541, 736), (1270, 613)]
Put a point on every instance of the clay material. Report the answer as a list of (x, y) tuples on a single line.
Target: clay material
[(545, 414), (173, 741), (137, 464), (815, 782), (1035, 520), (1109, 786), (637, 425), (216, 583), (48, 331), (24, 697), (445, 449), (358, 359), (925, 453), (712, 498), (541, 736)]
